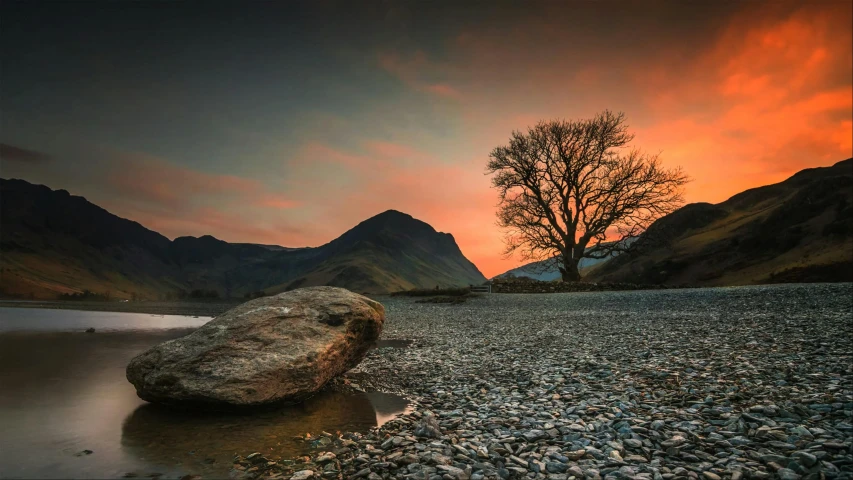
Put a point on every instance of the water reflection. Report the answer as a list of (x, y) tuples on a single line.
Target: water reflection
[(46, 319), (65, 392), (205, 442), (387, 406)]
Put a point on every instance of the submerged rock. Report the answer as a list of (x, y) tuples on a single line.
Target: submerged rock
[(269, 350)]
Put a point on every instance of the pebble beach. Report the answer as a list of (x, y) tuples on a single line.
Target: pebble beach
[(718, 383)]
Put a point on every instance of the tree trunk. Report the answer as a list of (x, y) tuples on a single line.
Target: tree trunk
[(569, 270)]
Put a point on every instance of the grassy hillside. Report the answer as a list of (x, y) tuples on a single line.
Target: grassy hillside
[(798, 230), (54, 243)]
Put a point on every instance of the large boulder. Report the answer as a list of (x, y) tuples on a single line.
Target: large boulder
[(270, 350)]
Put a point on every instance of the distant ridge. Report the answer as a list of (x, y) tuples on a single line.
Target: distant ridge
[(798, 230), (53, 242)]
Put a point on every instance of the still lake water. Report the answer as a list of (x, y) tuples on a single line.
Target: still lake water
[(63, 391)]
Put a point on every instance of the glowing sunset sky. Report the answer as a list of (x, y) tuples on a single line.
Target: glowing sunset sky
[(288, 123)]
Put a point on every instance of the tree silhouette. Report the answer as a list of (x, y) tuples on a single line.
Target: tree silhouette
[(574, 189)]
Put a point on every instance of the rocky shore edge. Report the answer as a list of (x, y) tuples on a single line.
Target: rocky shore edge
[(417, 446), (529, 285)]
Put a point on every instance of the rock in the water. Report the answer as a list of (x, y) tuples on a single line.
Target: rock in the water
[(269, 350)]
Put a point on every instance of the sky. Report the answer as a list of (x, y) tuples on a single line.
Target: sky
[(290, 122)]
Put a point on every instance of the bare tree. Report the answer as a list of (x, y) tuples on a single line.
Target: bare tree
[(574, 189)]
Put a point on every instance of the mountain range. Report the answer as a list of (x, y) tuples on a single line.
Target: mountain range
[(52, 243)]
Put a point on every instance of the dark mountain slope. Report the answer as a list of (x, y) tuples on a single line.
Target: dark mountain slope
[(393, 250), (800, 229), (52, 242), (38, 209)]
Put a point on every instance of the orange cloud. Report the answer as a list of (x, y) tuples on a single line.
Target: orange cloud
[(415, 71), (275, 201), (154, 179), (313, 153), (177, 201), (442, 90), (765, 100), (225, 225)]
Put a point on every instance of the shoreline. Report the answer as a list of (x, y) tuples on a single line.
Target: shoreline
[(214, 308), (189, 309)]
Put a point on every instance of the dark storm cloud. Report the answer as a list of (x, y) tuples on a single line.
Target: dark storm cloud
[(11, 153)]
